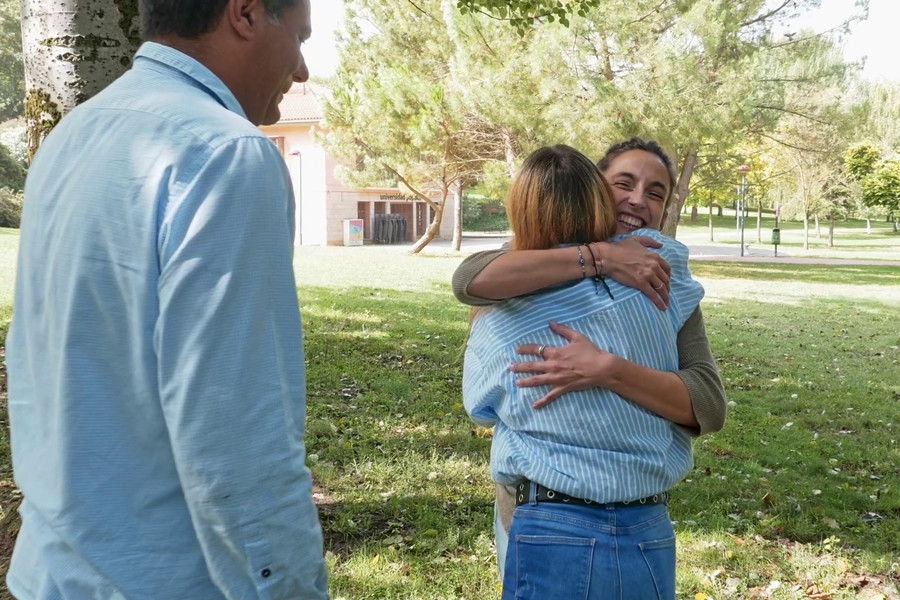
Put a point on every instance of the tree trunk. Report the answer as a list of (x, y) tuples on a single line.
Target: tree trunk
[(868, 225), (434, 227), (670, 226), (72, 49), (694, 214), (831, 230), (711, 238), (806, 231), (759, 223), (818, 228), (457, 215)]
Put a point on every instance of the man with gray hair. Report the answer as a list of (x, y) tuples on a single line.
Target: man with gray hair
[(156, 370)]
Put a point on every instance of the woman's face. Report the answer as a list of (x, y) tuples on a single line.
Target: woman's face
[(640, 185)]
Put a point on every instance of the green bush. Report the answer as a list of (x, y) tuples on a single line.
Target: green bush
[(483, 214), (12, 174), (10, 207)]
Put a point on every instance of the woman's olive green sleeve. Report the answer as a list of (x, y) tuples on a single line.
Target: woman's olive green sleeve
[(468, 269), (698, 371)]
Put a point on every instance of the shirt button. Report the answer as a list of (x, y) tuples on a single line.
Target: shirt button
[(265, 572)]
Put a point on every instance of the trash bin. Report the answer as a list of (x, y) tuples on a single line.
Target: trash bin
[(776, 236)]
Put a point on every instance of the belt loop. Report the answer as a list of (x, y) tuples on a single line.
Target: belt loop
[(532, 492)]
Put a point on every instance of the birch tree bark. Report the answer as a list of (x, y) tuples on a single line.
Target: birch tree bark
[(72, 50)]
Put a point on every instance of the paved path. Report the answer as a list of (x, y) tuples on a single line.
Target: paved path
[(474, 243)]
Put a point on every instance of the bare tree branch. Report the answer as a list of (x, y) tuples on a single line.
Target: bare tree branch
[(766, 16), (792, 112)]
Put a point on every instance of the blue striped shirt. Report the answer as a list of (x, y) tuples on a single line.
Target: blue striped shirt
[(590, 444), (156, 372)]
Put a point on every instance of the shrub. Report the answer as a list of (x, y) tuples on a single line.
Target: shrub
[(483, 214), (12, 174), (10, 207), (13, 136)]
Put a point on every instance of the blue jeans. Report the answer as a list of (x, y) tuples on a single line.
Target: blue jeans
[(599, 552)]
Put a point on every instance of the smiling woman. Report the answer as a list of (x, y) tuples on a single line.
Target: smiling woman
[(642, 177)]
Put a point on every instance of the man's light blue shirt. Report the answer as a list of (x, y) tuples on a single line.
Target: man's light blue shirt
[(594, 443), (156, 369)]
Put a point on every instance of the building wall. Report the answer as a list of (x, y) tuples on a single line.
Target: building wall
[(324, 202)]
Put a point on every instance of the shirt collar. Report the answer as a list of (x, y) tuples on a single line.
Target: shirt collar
[(192, 69)]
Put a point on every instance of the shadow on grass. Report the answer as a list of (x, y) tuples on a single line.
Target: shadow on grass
[(415, 524), (804, 273)]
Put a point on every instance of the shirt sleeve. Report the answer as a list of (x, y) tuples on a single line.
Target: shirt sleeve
[(231, 374), (698, 371), (697, 367), (468, 269)]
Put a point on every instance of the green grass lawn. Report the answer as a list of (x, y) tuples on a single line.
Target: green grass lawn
[(796, 496)]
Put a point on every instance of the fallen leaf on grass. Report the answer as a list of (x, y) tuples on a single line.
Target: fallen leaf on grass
[(814, 592)]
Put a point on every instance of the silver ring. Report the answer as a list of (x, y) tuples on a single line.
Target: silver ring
[(541, 350), (661, 286)]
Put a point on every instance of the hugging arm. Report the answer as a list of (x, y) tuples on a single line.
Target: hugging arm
[(491, 276), (692, 397)]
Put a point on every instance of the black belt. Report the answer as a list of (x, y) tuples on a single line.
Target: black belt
[(542, 494)]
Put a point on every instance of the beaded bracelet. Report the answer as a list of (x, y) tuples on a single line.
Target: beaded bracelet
[(599, 278), (581, 261)]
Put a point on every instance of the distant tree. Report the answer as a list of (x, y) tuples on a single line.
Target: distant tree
[(396, 108), (880, 118), (838, 199), (12, 69), (882, 188), (523, 14), (698, 75), (878, 178), (860, 160)]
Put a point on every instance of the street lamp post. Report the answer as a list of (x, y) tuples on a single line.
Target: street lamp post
[(743, 170)]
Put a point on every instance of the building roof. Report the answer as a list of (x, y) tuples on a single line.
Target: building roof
[(305, 102)]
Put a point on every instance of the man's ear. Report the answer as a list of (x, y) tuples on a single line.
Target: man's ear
[(243, 16)]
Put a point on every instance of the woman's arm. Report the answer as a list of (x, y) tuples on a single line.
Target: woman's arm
[(699, 373), (692, 397), (488, 277)]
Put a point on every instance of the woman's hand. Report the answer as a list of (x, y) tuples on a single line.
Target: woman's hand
[(578, 365), (630, 263)]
